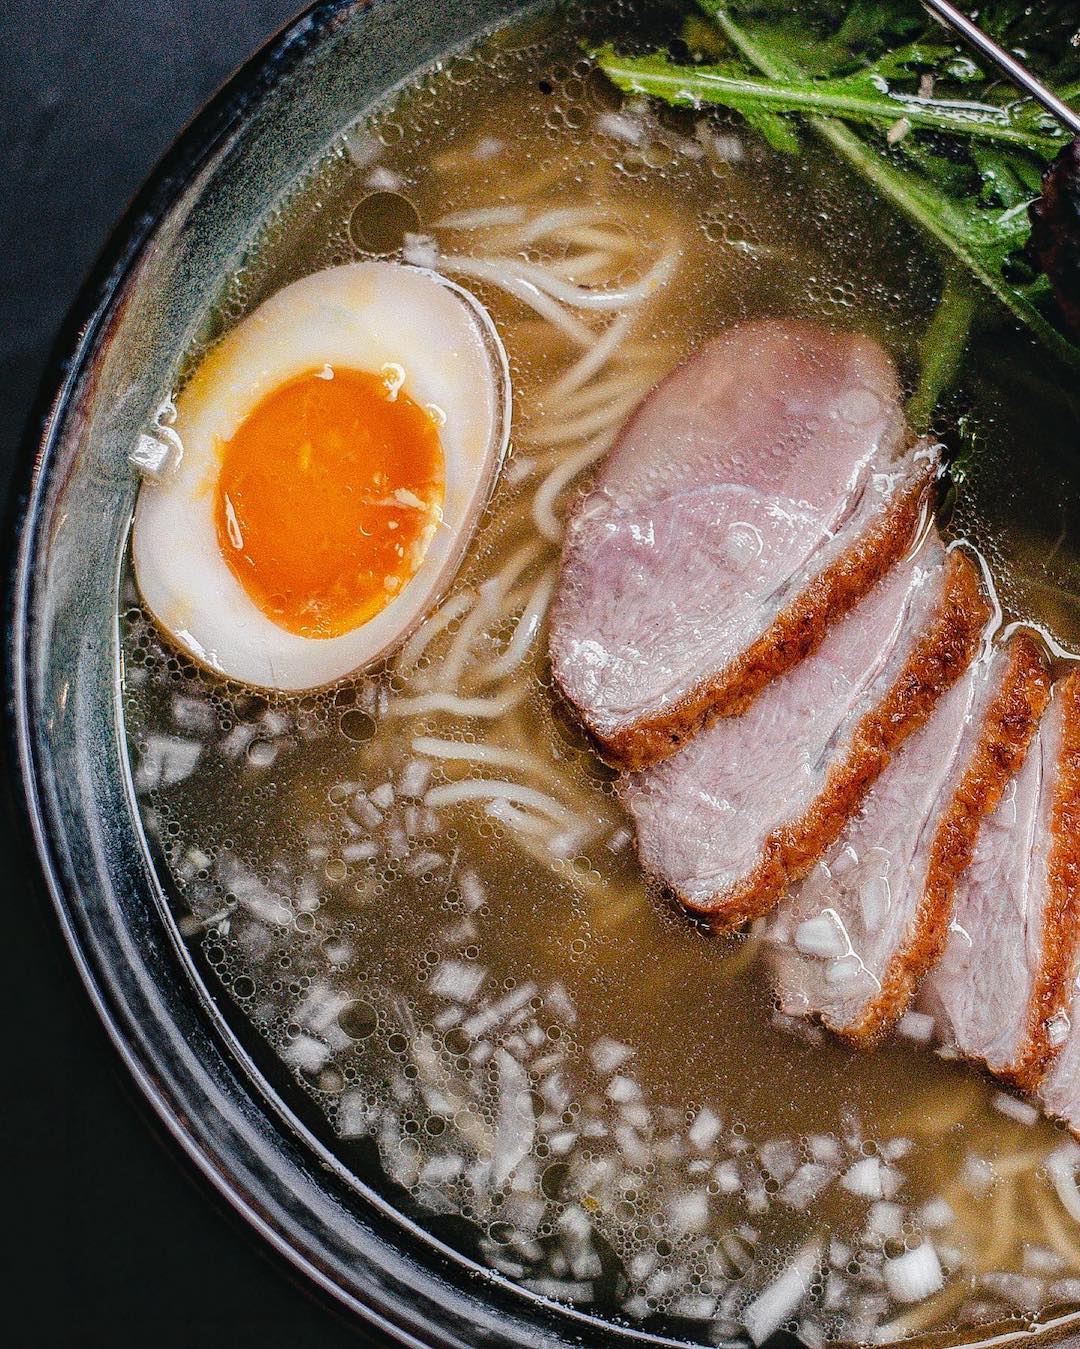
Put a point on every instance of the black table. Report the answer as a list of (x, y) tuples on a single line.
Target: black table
[(115, 1243)]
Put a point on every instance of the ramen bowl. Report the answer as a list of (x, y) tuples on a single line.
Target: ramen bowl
[(507, 1093)]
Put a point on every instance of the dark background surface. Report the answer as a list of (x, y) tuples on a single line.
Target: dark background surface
[(116, 1241)]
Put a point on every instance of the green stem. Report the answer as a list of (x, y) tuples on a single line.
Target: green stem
[(942, 347)]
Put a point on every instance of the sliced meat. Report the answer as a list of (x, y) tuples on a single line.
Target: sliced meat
[(1060, 1089), (754, 801), (1000, 994), (872, 917), (756, 495)]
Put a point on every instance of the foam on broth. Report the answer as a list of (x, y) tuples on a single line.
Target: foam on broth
[(472, 984)]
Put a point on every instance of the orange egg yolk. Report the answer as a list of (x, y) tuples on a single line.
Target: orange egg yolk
[(328, 496)]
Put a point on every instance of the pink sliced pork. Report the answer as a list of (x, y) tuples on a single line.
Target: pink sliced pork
[(1060, 1089), (755, 496), (750, 804), (1000, 995), (851, 943)]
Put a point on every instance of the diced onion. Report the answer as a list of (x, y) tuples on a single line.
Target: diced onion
[(915, 1274), (705, 1129), (864, 1178), (772, 1307), (608, 1054), (821, 937), (917, 1026), (1061, 1168), (1021, 1111)]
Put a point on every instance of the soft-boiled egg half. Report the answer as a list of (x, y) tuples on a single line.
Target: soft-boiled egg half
[(334, 452)]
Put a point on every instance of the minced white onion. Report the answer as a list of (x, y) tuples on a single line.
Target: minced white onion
[(805, 1185), (383, 179), (978, 1174), (168, 759), (321, 1007), (772, 1307), (441, 1170), (1042, 1260), (620, 127), (362, 147), (515, 1128), (472, 890), (915, 1274), (705, 1129), (356, 1115), (365, 810), (824, 1148), (423, 863), (1061, 1168), (864, 1178), (821, 937), (936, 1213), (360, 852), (608, 1054), (726, 1175), (637, 1115), (886, 1221), (622, 1089), (1021, 1111), (306, 1053), (917, 1026), (779, 1159), (458, 981), (414, 778), (631, 1146), (688, 1212), (493, 1013)]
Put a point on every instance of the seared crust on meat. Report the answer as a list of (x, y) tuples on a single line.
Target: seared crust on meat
[(1052, 993), (795, 632), (1008, 727), (938, 659)]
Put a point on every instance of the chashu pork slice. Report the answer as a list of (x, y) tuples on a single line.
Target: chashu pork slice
[(756, 495), (852, 942), (749, 805), (1000, 994), (1060, 1089)]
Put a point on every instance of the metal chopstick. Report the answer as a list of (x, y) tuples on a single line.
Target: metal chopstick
[(1018, 73)]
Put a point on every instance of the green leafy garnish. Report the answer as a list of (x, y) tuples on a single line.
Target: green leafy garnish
[(954, 148), (864, 96)]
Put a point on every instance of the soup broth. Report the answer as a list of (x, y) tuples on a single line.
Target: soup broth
[(418, 889)]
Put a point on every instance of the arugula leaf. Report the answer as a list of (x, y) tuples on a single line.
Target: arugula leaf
[(860, 97), (876, 81)]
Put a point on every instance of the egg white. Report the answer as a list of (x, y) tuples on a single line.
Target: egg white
[(363, 316)]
